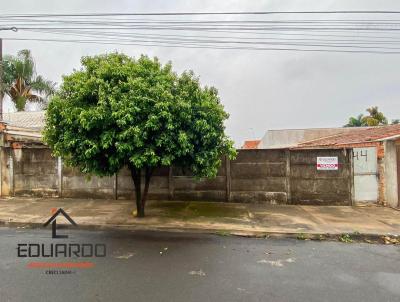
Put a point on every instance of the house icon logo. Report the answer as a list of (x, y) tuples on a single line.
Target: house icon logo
[(53, 222)]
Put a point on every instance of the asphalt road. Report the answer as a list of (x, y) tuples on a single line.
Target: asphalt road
[(158, 266)]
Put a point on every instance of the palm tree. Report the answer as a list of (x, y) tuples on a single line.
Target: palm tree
[(375, 117), (355, 121), (21, 83)]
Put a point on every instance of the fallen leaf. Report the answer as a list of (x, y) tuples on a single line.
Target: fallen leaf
[(277, 263), (125, 256), (198, 273)]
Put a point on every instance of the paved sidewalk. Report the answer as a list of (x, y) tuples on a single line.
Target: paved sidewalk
[(207, 217)]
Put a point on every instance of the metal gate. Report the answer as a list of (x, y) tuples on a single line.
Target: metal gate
[(365, 174)]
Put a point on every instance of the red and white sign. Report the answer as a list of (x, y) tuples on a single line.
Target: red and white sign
[(327, 163)]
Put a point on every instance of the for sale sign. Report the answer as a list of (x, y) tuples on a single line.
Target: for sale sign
[(327, 163)]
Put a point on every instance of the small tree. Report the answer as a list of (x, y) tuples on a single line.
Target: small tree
[(117, 111)]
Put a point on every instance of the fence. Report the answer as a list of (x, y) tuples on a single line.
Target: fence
[(258, 176)]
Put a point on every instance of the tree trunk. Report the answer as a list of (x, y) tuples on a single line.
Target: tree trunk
[(137, 181), (147, 176)]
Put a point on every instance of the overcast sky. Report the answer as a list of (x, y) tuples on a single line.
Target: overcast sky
[(260, 89)]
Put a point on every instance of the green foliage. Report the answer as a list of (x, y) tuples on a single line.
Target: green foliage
[(118, 111), (21, 83), (223, 233), (355, 121), (375, 118), (346, 238), (302, 236)]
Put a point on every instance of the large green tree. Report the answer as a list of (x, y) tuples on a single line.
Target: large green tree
[(21, 83), (118, 111)]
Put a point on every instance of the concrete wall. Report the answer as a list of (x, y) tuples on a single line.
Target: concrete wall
[(158, 184), (257, 176), (186, 187), (77, 185), (310, 186), (35, 172)]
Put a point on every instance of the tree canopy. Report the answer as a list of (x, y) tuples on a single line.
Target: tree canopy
[(355, 121), (119, 111), (374, 118), (21, 83)]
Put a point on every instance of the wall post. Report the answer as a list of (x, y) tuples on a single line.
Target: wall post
[(115, 186), (170, 183), (351, 176), (228, 178), (288, 188), (11, 170), (60, 176)]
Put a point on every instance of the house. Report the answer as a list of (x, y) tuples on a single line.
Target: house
[(286, 138), (18, 128), (25, 119), (250, 144)]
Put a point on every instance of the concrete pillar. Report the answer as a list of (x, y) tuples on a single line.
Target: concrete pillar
[(11, 170), (228, 178), (170, 183), (351, 176), (5, 172), (60, 176), (115, 187), (288, 187), (390, 183)]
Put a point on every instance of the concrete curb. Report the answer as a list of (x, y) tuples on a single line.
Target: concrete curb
[(315, 236)]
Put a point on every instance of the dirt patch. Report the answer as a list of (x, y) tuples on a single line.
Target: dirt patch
[(188, 210)]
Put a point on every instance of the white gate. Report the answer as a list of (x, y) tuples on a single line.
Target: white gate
[(365, 174)]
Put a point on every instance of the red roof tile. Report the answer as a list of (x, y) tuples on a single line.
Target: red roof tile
[(253, 144), (358, 136)]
